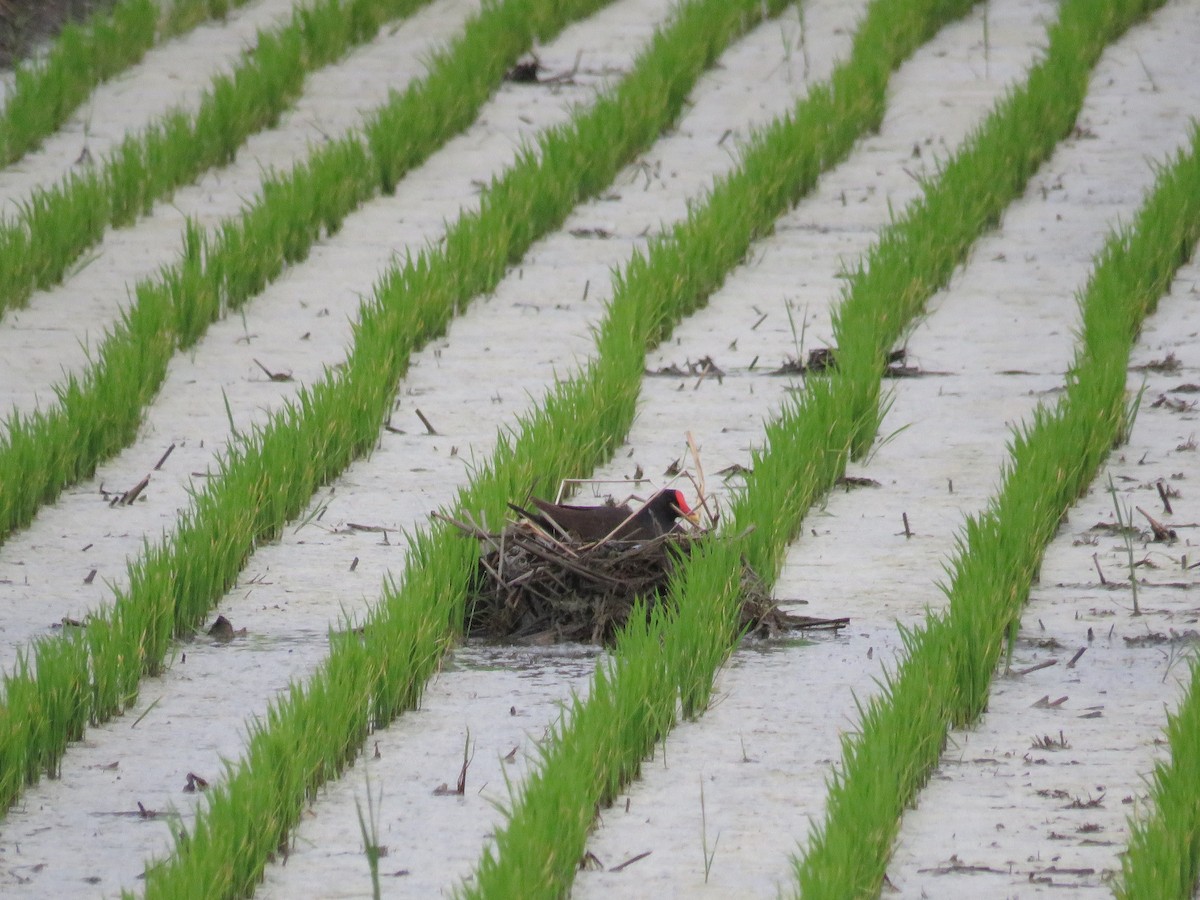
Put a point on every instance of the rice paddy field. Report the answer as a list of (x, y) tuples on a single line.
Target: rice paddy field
[(903, 290)]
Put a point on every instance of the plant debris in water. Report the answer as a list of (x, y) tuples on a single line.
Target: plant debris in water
[(535, 587)]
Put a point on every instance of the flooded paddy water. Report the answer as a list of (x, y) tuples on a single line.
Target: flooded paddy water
[(1035, 800)]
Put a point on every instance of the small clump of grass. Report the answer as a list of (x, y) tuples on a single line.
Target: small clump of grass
[(709, 855), (1125, 528), (1162, 859), (368, 827)]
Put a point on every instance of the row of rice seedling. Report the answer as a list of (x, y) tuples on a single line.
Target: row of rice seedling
[(632, 703), (945, 676), (56, 224), (99, 412), (46, 90), (272, 474), (1163, 855)]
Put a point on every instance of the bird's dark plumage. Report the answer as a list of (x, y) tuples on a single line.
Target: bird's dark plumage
[(657, 517)]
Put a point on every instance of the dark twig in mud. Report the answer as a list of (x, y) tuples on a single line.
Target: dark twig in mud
[(162, 459), (1165, 497), (1045, 664), (273, 376), (1162, 533), (424, 421), (132, 494), (629, 862), (460, 786)]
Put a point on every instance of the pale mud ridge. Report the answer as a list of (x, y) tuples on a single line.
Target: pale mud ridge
[(998, 819)]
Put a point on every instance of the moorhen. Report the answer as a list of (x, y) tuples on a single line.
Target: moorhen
[(619, 523)]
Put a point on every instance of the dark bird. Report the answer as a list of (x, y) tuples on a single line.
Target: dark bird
[(657, 517)]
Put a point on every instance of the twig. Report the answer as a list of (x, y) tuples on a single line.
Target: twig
[(274, 376), (500, 573), (132, 494), (1042, 665), (162, 459), (425, 422), (1166, 500), (470, 529), (374, 529), (570, 565), (631, 861), (146, 713), (699, 482), (461, 787), (564, 545), (1161, 532)]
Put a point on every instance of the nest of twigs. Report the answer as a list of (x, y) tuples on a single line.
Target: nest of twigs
[(534, 587)]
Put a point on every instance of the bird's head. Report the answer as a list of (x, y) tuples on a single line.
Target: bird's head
[(678, 504)]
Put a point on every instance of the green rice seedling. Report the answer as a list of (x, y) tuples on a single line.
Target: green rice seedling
[(1162, 859), (125, 178), (708, 855), (63, 700), (22, 741), (1125, 527), (49, 228), (368, 827), (797, 337)]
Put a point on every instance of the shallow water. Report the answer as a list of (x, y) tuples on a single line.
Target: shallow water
[(995, 343)]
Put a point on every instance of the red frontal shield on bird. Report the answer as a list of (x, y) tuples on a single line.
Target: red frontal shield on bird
[(685, 511)]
